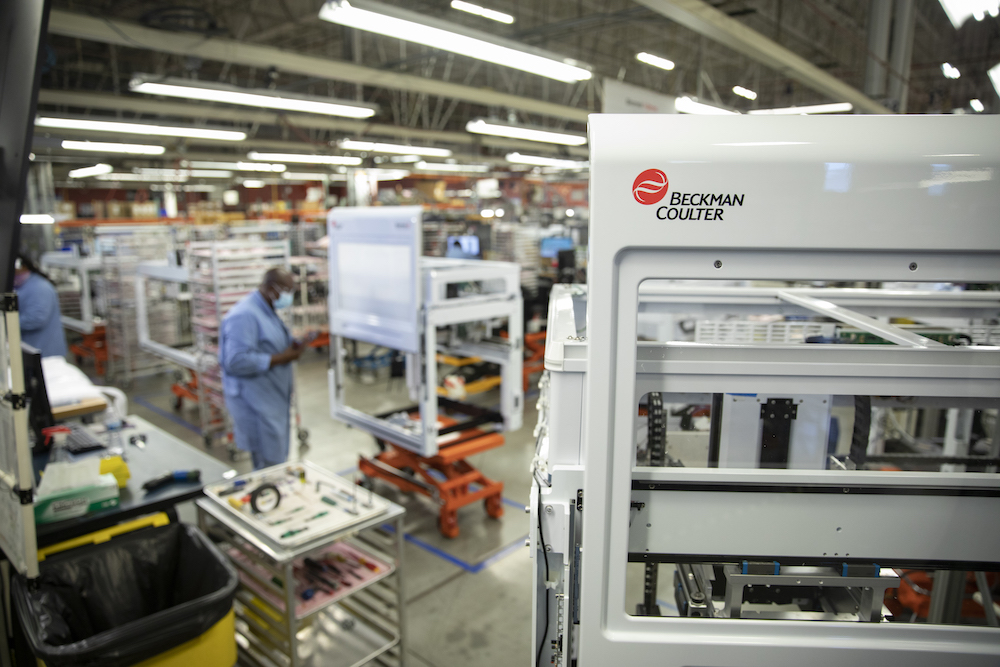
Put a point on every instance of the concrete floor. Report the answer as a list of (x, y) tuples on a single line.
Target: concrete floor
[(468, 599)]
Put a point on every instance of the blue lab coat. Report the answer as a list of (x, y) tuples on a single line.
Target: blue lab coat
[(41, 323), (258, 397)]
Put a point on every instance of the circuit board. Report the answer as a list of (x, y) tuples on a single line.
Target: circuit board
[(295, 503)]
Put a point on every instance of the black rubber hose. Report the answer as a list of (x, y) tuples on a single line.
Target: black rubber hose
[(862, 427)]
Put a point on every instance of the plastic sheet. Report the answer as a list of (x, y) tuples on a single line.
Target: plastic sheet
[(121, 602)]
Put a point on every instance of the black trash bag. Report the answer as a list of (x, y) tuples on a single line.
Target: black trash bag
[(121, 602)]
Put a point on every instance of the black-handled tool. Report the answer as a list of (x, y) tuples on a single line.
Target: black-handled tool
[(170, 478)]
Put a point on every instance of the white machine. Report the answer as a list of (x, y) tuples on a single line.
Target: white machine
[(77, 308), (781, 539), (382, 292)]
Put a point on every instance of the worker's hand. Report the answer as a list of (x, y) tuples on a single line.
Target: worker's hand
[(290, 354)]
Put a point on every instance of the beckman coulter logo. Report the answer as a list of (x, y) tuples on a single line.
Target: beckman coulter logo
[(650, 187)]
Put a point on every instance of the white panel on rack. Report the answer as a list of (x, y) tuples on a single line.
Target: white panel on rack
[(374, 295)]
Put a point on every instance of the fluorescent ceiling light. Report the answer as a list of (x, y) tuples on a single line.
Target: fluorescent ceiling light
[(402, 159), (745, 92), (482, 11), (194, 187), (994, 75), (107, 147), (36, 219), (977, 105), (312, 176), (305, 159), (266, 99), (413, 27), (190, 173), (837, 107), (376, 147), (440, 166), (140, 128), (496, 129), (655, 61), (950, 71), (539, 161), (688, 105), (144, 178), (253, 184), (235, 166), (87, 172), (959, 11), (486, 213), (757, 144)]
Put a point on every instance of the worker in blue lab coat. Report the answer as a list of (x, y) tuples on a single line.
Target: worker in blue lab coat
[(256, 351), (38, 303)]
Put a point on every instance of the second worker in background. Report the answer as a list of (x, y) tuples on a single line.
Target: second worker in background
[(256, 350)]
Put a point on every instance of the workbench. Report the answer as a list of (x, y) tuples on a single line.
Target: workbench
[(162, 453), (345, 628)]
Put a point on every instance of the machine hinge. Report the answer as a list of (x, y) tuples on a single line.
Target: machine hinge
[(579, 500), (9, 302), (17, 401)]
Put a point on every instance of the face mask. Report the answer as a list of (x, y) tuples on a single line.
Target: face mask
[(21, 278), (284, 300)]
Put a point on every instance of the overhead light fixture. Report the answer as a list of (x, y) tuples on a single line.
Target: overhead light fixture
[(570, 213), (977, 105), (140, 128), (377, 147), (413, 27), (498, 129), (312, 176), (950, 71), (403, 159), (305, 159), (253, 184), (190, 173), (441, 166), (836, 107), (265, 99), (486, 213), (745, 92), (491, 14), (235, 166), (194, 187), (655, 61), (959, 11), (498, 213), (688, 105), (994, 74), (87, 172), (144, 178), (540, 161), (37, 219), (107, 147)]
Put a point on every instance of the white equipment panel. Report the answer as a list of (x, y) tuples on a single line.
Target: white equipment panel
[(374, 292)]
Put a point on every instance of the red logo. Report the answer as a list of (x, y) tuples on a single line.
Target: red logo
[(650, 186)]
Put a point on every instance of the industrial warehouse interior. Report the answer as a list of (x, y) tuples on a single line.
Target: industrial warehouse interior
[(440, 333)]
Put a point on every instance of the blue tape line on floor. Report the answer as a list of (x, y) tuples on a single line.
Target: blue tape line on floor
[(471, 568), (139, 400)]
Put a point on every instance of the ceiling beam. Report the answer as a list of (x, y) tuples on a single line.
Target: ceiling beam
[(133, 35), (354, 128), (704, 19)]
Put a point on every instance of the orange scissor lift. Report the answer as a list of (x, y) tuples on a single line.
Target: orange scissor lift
[(445, 477)]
